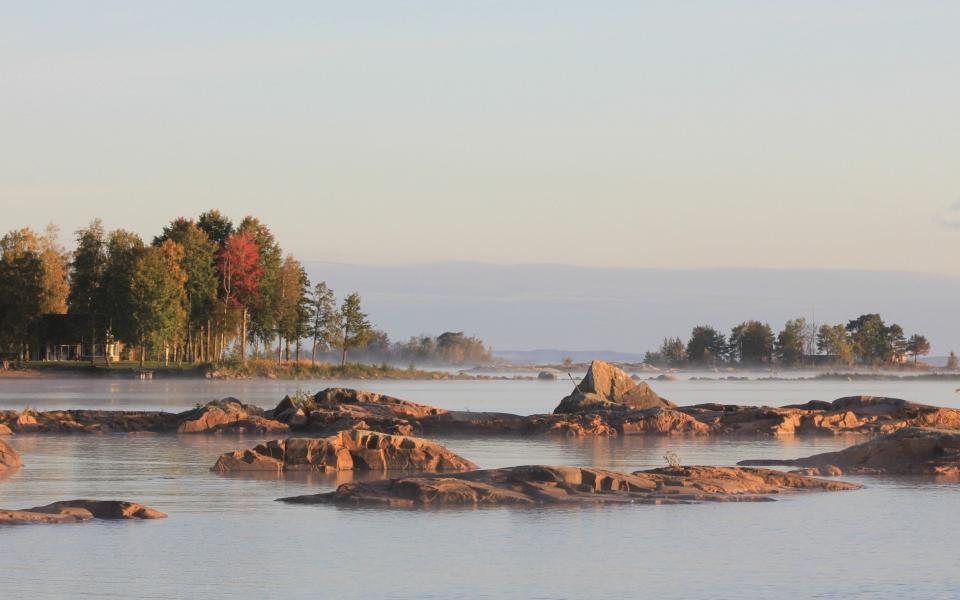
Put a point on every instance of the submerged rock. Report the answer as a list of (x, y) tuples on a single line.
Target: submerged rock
[(346, 451), (606, 387), (546, 485), (909, 451), (9, 459), (73, 511)]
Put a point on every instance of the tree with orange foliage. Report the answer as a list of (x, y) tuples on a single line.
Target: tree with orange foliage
[(240, 275)]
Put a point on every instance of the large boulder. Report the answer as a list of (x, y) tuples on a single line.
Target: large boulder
[(347, 451), (907, 451), (73, 511), (606, 387), (231, 415), (545, 485), (9, 459), (337, 409)]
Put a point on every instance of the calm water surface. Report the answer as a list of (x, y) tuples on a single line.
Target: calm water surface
[(227, 538)]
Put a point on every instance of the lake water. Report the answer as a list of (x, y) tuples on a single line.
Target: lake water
[(226, 537)]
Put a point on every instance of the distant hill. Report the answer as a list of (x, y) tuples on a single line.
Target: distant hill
[(546, 356), (524, 307)]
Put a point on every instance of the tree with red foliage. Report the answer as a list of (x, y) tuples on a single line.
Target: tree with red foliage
[(240, 272)]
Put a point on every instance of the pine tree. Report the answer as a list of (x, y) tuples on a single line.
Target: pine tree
[(324, 320), (21, 290), (86, 277), (356, 327)]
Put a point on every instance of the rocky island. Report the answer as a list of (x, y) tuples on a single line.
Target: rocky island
[(550, 485), (353, 450), (607, 402), (75, 511), (909, 451)]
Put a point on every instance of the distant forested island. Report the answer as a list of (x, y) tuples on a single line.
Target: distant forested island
[(201, 291), (866, 341)]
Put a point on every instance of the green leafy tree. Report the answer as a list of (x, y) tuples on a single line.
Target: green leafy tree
[(86, 277), (918, 346), (875, 342), (56, 264), (21, 290), (199, 265), (217, 227), (791, 342), (457, 348), (751, 342), (293, 316), (672, 353), (124, 249), (158, 297), (356, 327), (325, 321), (835, 340), (706, 346)]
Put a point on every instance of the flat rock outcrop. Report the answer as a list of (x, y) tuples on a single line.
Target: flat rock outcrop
[(74, 511), (9, 459), (231, 415), (908, 451), (347, 451), (88, 421), (337, 409), (546, 485), (582, 413), (606, 387), (855, 414), (218, 416)]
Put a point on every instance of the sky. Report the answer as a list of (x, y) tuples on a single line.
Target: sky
[(674, 135)]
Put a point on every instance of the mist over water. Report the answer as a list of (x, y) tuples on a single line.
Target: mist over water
[(226, 537)]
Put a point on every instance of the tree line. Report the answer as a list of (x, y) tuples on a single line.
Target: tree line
[(866, 340), (202, 290)]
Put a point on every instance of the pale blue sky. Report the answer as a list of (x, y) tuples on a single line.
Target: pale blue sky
[(641, 134)]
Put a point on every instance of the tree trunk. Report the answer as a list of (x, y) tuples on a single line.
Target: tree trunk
[(143, 350), (313, 352), (298, 351), (243, 336), (279, 350)]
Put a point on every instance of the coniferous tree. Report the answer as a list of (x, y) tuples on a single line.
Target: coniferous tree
[(356, 327), (918, 346), (86, 277), (324, 320), (21, 290), (217, 227)]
